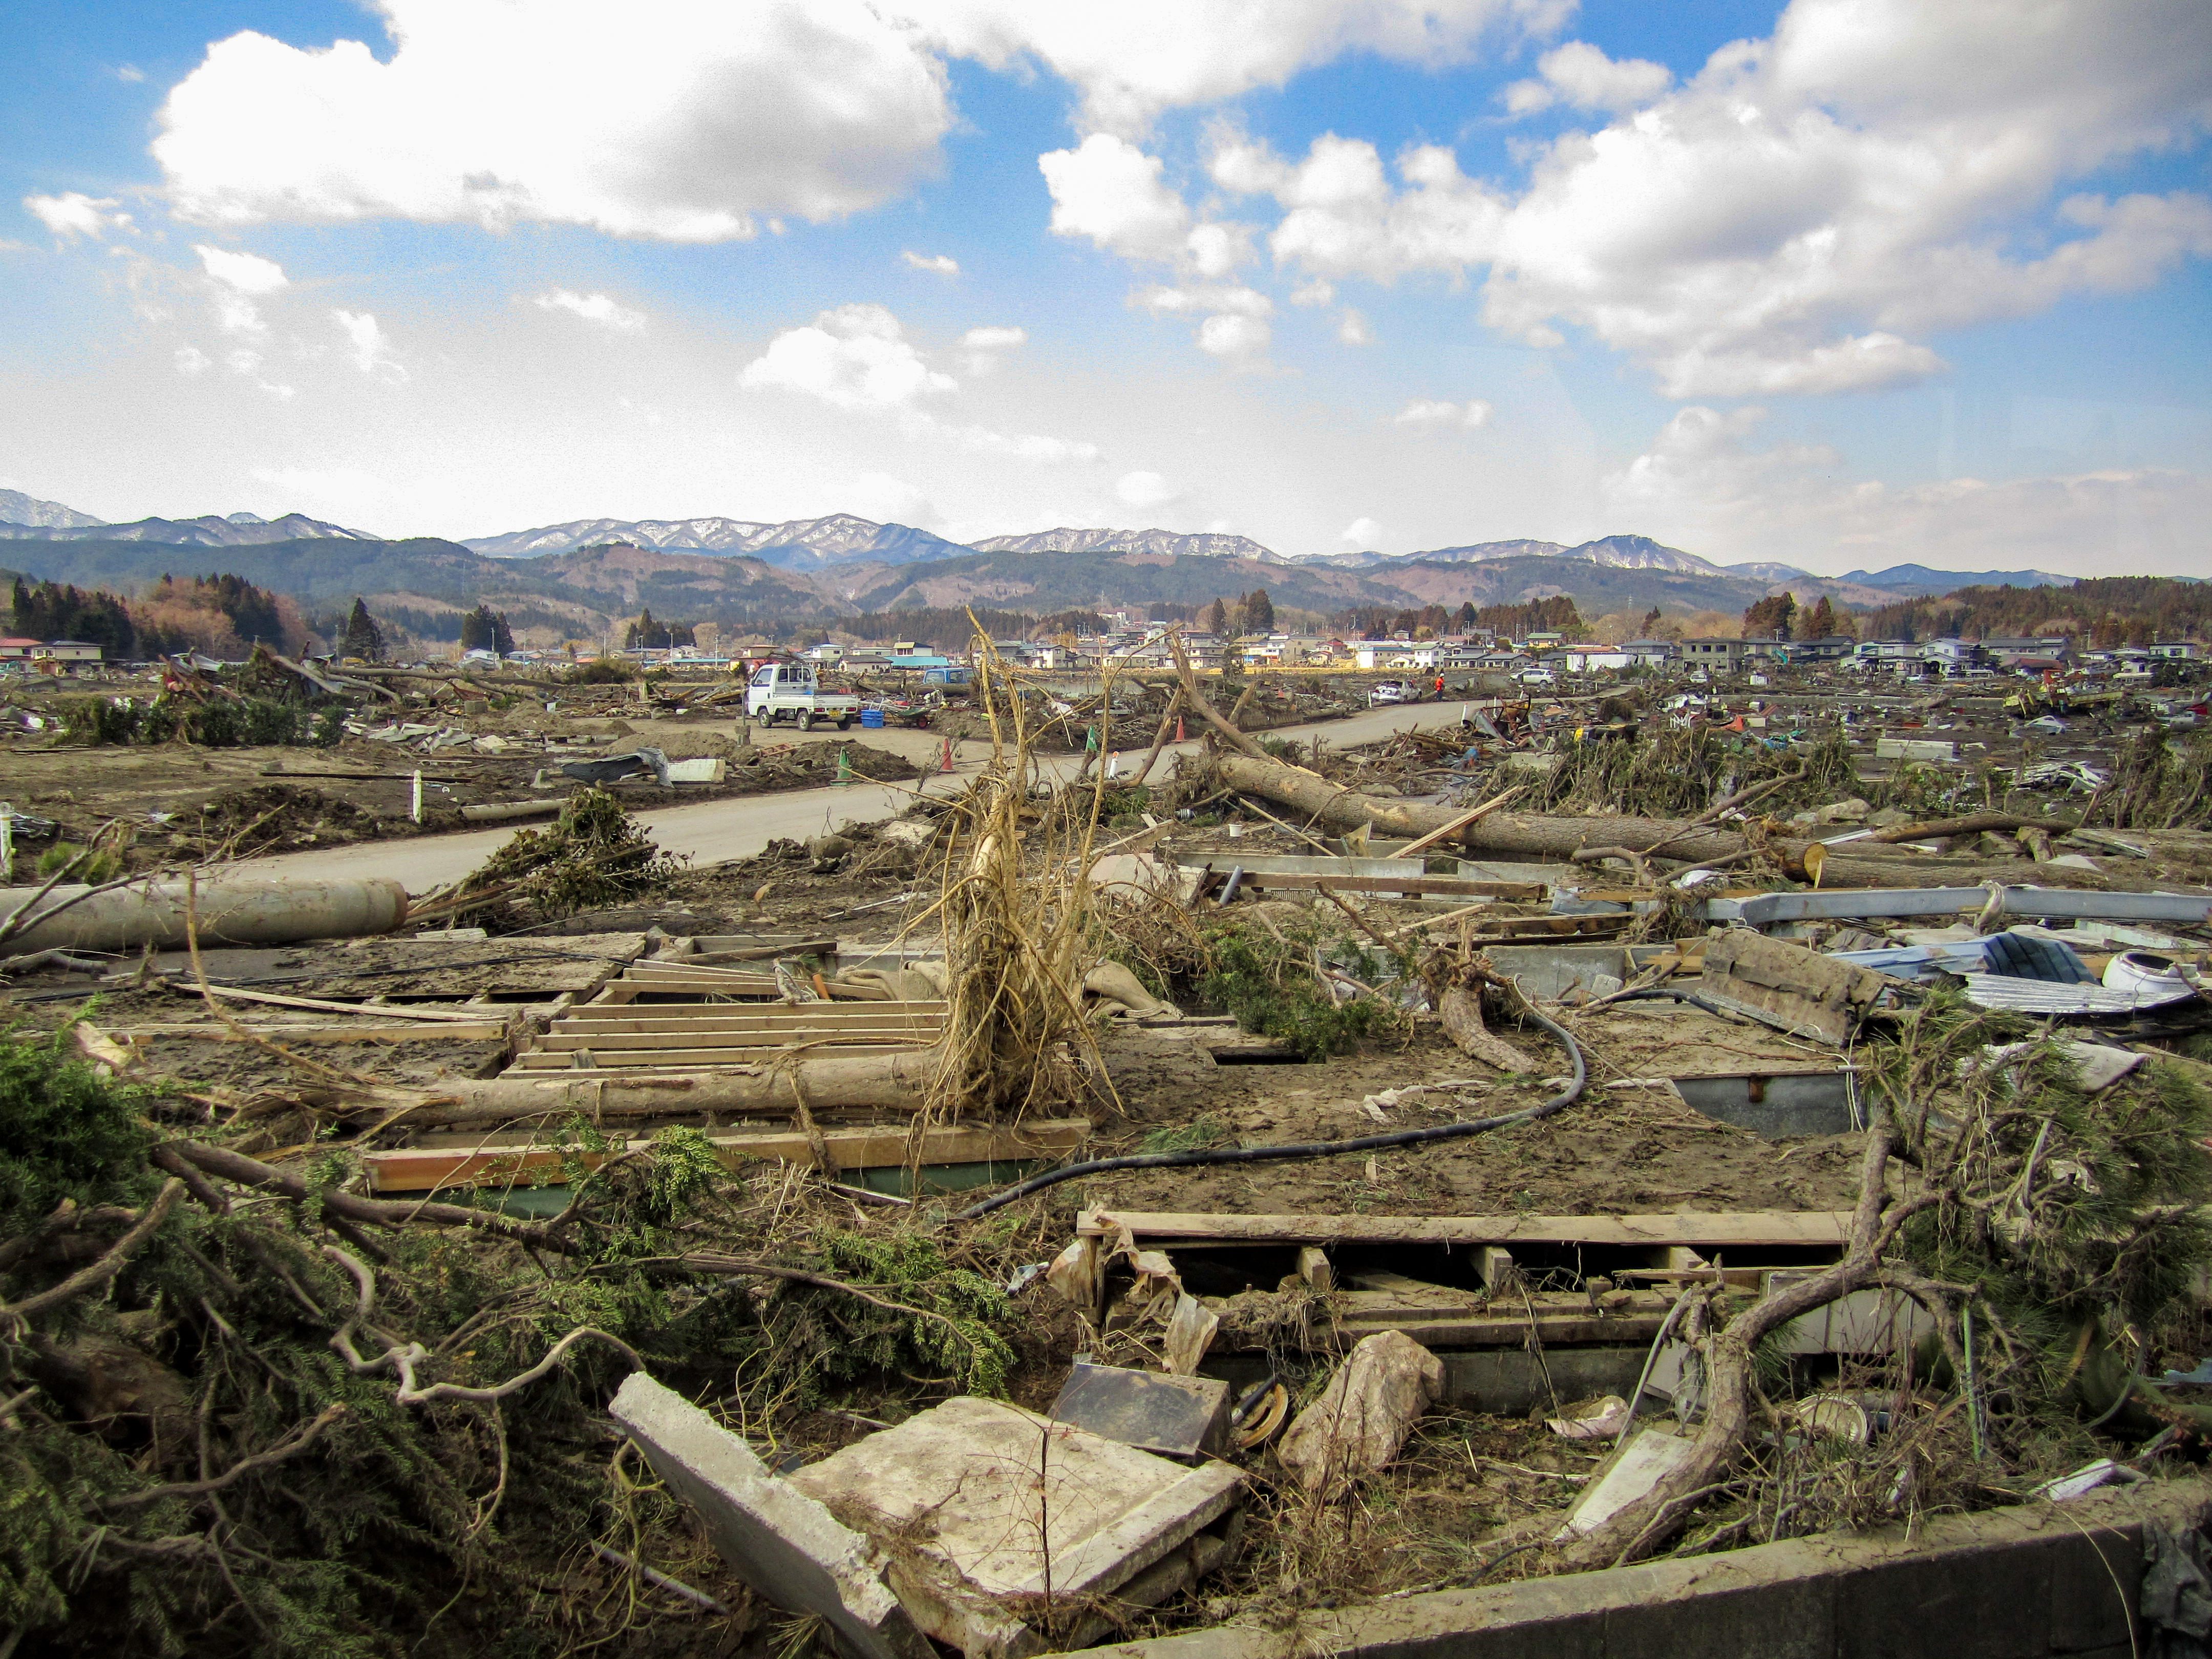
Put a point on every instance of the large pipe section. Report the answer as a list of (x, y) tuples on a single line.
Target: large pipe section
[(226, 910)]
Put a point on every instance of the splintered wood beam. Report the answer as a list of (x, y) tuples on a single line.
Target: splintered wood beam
[(481, 1031), (601, 1058), (1720, 1228), (423, 1169)]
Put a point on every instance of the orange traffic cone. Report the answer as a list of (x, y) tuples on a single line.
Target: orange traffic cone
[(1179, 735), (946, 764)]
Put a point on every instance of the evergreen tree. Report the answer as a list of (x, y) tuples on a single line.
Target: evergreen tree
[(1650, 621), (1259, 613), (1770, 618), (648, 633), (1216, 620), (1820, 622), (486, 629), (362, 637)]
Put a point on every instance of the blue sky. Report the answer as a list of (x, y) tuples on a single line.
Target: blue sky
[(1845, 282)]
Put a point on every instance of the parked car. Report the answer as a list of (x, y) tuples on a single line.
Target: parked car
[(1390, 691), (794, 691), (1538, 677)]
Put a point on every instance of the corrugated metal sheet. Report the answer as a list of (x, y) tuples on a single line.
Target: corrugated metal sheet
[(2038, 996)]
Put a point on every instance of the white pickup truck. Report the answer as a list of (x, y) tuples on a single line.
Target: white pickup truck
[(792, 690)]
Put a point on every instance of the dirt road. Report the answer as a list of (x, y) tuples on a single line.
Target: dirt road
[(714, 831)]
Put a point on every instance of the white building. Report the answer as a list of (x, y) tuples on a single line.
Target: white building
[(1595, 658)]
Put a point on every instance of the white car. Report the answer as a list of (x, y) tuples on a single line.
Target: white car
[(794, 691), (1538, 677), (1390, 691)]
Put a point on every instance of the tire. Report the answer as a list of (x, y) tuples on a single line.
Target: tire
[(845, 723), (806, 720)]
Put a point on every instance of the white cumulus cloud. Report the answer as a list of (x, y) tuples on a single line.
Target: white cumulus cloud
[(1362, 532), (1580, 73), (1351, 329), (1804, 211), (1108, 190), (598, 308), (680, 119), (1234, 335), (247, 273), (1705, 483), (1440, 412), (1146, 489), (855, 357), (192, 360), (994, 339), (73, 214), (368, 345), (940, 264), (1131, 61)]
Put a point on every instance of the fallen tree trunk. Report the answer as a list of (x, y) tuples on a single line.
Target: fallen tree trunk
[(879, 1081), (229, 910), (1972, 823), (1548, 837)]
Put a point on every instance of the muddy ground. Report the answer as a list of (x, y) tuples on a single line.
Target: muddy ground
[(180, 801)]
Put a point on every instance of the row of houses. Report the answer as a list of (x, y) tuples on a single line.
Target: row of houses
[(48, 653)]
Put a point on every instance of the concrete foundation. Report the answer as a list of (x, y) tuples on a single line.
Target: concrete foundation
[(2035, 1582)]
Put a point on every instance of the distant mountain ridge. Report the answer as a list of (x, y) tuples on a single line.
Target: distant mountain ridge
[(792, 544), (866, 558), (17, 508), (1210, 545), (212, 530), (1919, 581)]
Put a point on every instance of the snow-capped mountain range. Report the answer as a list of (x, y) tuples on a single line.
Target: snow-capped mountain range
[(810, 545)]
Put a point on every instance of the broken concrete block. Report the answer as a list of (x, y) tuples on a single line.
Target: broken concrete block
[(783, 1543), (1789, 986), (998, 1521), (1647, 1460), (1358, 1423), (698, 771), (1180, 1417)]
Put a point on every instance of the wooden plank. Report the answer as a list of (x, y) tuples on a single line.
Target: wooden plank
[(1433, 886), (738, 1017), (317, 1004), (719, 1029), (423, 1169), (695, 983), (1693, 1227), (545, 1060), (482, 1030), (558, 1041)]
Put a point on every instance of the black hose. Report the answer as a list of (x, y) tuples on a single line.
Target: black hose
[(1307, 1148), (1655, 993)]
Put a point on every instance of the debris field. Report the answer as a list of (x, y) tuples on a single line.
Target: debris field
[(1192, 1191)]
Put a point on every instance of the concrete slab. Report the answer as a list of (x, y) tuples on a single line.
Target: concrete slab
[(783, 1543), (991, 1515)]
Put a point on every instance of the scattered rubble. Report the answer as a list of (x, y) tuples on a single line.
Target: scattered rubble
[(1201, 1195)]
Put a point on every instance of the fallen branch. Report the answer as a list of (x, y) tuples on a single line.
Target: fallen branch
[(1472, 816), (227, 1165), (1641, 1525), (111, 1262), (1236, 740), (1972, 823), (738, 1268), (291, 1446), (402, 1357)]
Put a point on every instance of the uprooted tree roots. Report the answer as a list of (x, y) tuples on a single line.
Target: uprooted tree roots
[(2048, 1235)]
